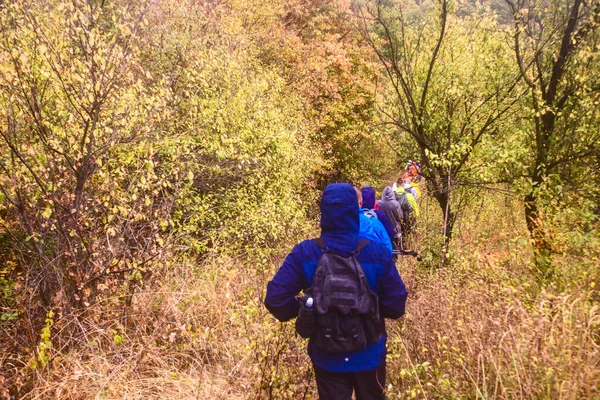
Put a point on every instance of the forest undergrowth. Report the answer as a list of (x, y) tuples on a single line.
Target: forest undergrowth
[(158, 159), (484, 327)]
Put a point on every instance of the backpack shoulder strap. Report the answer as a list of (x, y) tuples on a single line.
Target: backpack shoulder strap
[(321, 243), (362, 243), (370, 213)]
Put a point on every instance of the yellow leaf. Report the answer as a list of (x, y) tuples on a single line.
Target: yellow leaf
[(47, 212)]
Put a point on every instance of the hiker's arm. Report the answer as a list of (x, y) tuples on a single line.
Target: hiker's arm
[(392, 292), (285, 286), (399, 214), (386, 224), (383, 236)]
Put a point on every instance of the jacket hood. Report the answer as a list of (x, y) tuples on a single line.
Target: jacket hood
[(388, 194), (340, 217), (368, 195)]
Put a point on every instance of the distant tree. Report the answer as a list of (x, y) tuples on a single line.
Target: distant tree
[(448, 85), (327, 62), (556, 47)]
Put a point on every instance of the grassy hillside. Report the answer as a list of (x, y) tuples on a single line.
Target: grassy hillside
[(481, 329)]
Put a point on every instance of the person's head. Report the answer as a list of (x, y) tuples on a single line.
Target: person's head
[(339, 209), (400, 179), (413, 171), (368, 196), (388, 194), (358, 196)]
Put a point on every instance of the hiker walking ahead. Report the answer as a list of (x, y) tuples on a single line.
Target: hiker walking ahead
[(345, 322), (406, 196), (368, 206), (391, 209), (370, 227)]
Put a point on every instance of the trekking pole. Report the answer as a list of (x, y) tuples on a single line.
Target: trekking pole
[(408, 253)]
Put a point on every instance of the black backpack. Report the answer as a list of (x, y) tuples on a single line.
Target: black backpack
[(344, 314)]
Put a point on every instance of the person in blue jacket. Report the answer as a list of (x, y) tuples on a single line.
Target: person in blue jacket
[(363, 371), (370, 227), (368, 204)]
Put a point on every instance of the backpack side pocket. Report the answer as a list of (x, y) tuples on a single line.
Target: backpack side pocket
[(306, 323), (372, 322)]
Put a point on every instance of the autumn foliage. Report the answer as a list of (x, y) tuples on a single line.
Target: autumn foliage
[(157, 158)]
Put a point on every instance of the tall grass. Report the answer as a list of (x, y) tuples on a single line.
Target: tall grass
[(482, 327)]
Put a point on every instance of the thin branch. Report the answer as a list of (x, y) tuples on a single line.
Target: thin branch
[(444, 17)]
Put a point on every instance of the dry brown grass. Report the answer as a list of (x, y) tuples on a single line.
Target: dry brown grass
[(481, 339), (183, 342), (487, 328)]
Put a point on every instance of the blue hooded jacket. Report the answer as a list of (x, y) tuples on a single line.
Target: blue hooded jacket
[(339, 229), (372, 229), (368, 195)]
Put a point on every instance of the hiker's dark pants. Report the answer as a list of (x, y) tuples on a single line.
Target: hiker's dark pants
[(339, 385)]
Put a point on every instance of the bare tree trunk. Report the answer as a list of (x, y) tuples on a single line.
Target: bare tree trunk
[(533, 216), (443, 199), (440, 183)]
